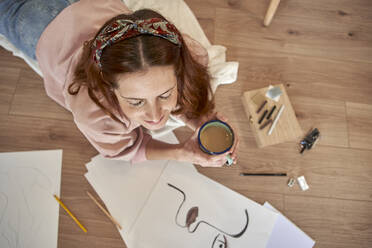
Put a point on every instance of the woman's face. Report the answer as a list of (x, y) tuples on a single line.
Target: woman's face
[(148, 97)]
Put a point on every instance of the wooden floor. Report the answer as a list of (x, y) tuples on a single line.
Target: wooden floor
[(320, 50)]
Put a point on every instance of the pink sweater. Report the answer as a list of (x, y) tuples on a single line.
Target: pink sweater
[(58, 51)]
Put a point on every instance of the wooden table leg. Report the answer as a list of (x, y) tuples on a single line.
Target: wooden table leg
[(271, 11)]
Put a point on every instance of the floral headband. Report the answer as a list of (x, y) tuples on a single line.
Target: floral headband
[(123, 29)]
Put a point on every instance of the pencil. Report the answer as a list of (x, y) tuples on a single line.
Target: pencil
[(276, 120), (264, 174), (104, 210), (68, 211)]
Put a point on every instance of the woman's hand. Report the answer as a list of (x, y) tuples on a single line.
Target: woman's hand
[(191, 152)]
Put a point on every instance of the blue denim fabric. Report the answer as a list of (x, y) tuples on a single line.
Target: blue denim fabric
[(23, 21)]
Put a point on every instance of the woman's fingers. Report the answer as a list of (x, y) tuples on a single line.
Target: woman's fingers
[(234, 149), (219, 160), (207, 160), (214, 164)]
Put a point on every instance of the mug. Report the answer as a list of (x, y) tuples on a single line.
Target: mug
[(216, 137)]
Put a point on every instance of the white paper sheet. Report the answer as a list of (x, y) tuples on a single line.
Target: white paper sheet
[(123, 187), (145, 206), (28, 211), (221, 221), (286, 234)]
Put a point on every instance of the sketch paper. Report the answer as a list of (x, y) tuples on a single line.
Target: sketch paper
[(125, 187), (146, 199), (28, 211), (190, 210), (286, 234)]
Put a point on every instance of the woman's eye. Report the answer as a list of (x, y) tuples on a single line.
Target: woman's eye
[(165, 96), (137, 103)]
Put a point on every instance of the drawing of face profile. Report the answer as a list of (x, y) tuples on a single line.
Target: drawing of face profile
[(220, 240)]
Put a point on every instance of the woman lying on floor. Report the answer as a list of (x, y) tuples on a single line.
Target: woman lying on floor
[(120, 73)]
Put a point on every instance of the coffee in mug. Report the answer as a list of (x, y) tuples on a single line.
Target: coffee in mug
[(216, 137)]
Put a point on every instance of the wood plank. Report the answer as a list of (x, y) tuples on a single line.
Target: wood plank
[(88, 241), (254, 8), (329, 116), (19, 133), (99, 227), (30, 97), (295, 35), (333, 223), (359, 118), (340, 11), (203, 9), (8, 83), (303, 75), (8, 60)]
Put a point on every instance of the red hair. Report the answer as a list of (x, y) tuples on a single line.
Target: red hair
[(138, 54)]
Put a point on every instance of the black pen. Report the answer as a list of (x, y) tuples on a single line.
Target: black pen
[(262, 117), (264, 174), (271, 112)]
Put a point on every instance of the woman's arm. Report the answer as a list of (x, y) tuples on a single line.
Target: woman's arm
[(185, 152), (158, 150)]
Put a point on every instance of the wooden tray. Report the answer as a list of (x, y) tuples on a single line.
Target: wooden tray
[(286, 129)]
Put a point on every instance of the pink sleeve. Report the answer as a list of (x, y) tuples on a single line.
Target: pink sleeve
[(125, 146), (141, 153), (110, 138), (198, 52)]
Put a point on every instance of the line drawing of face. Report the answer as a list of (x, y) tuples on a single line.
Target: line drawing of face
[(220, 240)]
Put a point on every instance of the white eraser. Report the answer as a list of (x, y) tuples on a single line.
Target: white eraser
[(302, 182), (274, 93)]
